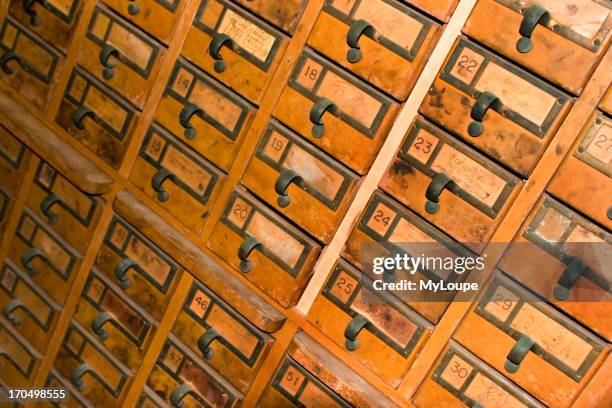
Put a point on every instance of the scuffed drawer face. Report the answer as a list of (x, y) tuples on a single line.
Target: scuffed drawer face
[(182, 379), (538, 348), (26, 306), (46, 258), (228, 343), (284, 15), (373, 326), (387, 228), (583, 180), (28, 64), (205, 114), (459, 379), (119, 324), (99, 378), (53, 20), (449, 184), (270, 252), (561, 41), (307, 186), (566, 259), (360, 34), (502, 110), (97, 117), (18, 361), (70, 212), (179, 180), (156, 17), (234, 46), (293, 386), (120, 55), (336, 111), (440, 9), (14, 160), (145, 273)]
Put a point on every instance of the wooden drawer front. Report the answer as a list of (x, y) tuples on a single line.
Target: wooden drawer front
[(387, 336), (293, 386), (583, 180), (14, 157), (52, 20), (273, 254), (386, 228), (117, 322), (70, 212), (235, 47), (449, 184), (217, 333), (440, 9), (554, 245), (29, 64), (500, 328), (180, 376), (564, 45), (205, 114), (460, 379), (149, 399), (48, 259), (97, 117), (18, 360), (300, 181), (606, 102), (156, 17), (338, 112), (26, 306), (142, 270), (178, 179), (99, 377), (284, 15), (74, 398), (120, 55), (360, 34), (5, 205), (527, 111)]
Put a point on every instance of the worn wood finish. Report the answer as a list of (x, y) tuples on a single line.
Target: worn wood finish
[(606, 102), (440, 9), (19, 360), (284, 15), (74, 400)]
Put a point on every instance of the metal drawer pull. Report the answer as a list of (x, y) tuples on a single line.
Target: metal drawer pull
[(10, 308), (358, 28), (100, 320), (204, 343), (28, 7), (218, 41), (28, 256), (181, 392), (157, 183), (477, 405), (106, 52), (609, 213), (390, 274), (8, 57), (534, 15), (518, 353), (247, 246), (185, 117), (357, 324), (484, 102), (45, 207), (121, 272), (321, 106), (439, 183), (573, 271), (133, 8), (283, 181), (80, 114), (77, 375)]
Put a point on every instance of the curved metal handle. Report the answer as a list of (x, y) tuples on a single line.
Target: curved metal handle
[(357, 29), (285, 178), (121, 271), (157, 183), (247, 246), (477, 405), (573, 271), (77, 375), (390, 274), (133, 8), (100, 320), (181, 392), (204, 343), (321, 106), (10, 308), (45, 207), (28, 7), (185, 117), (351, 332), (440, 182), (28, 256), (8, 57), (218, 41), (534, 15), (483, 103), (80, 114), (516, 356), (109, 65)]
